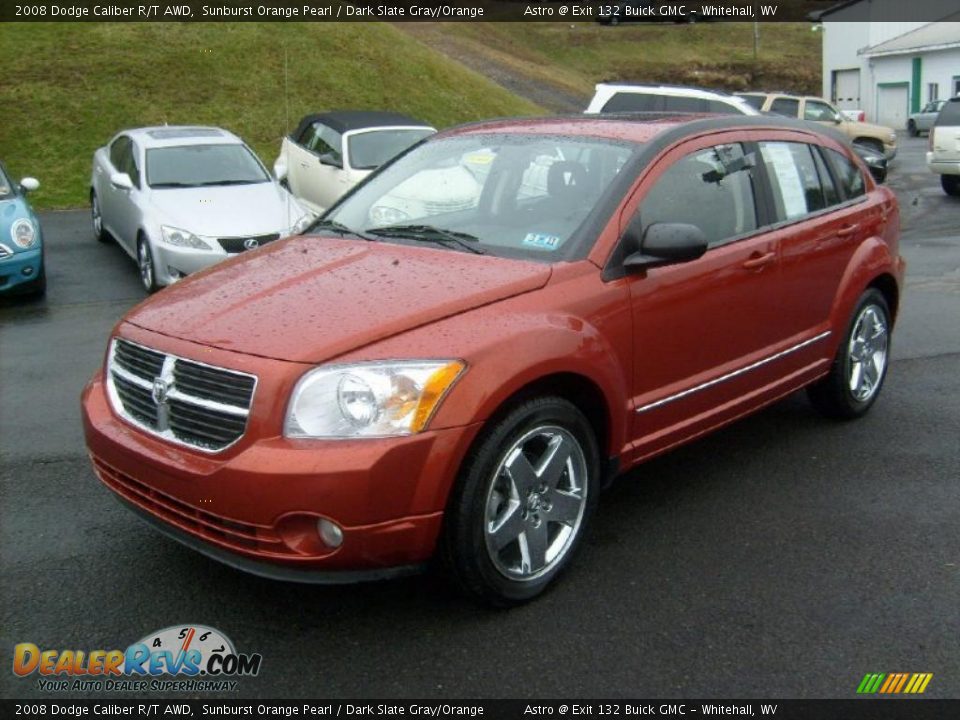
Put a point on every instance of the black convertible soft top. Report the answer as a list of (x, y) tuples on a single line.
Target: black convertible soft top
[(344, 120)]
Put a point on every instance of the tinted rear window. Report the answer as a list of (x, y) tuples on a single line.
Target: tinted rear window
[(950, 113), (633, 102)]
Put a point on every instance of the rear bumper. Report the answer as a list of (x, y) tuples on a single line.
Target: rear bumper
[(943, 167)]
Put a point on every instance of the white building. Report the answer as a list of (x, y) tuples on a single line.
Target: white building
[(875, 61)]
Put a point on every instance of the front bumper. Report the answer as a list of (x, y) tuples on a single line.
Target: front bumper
[(890, 150), (21, 267), (172, 262), (256, 505)]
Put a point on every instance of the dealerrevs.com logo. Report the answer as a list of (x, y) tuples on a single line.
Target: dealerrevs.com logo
[(200, 658)]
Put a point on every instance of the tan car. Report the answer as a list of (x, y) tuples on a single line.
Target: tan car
[(882, 139)]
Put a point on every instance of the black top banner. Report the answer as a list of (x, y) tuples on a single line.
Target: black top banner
[(865, 709), (604, 11)]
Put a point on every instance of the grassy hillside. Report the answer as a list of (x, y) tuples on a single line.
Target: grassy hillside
[(574, 56), (68, 87)]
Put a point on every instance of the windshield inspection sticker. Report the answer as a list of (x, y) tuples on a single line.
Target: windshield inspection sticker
[(541, 241)]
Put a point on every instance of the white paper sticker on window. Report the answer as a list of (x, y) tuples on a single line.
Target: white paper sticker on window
[(780, 159)]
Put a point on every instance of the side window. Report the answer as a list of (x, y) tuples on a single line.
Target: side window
[(849, 175), (322, 139), (118, 152), (818, 111), (794, 178), (633, 102), (130, 166), (830, 192), (788, 107), (710, 188)]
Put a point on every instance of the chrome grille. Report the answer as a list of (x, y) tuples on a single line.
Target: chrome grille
[(5, 252), (181, 400)]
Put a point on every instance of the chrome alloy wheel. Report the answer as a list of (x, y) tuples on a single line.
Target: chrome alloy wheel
[(145, 261), (95, 216), (867, 353), (535, 503)]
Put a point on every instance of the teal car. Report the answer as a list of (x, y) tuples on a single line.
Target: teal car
[(21, 241)]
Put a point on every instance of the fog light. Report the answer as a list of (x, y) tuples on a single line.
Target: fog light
[(330, 533), (27, 271)]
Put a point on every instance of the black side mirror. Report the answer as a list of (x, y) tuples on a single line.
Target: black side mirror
[(664, 244), (330, 159)]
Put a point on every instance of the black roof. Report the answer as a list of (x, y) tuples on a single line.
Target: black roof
[(344, 120)]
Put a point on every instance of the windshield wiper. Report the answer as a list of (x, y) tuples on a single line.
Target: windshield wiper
[(338, 228), (173, 185), (229, 182), (430, 233)]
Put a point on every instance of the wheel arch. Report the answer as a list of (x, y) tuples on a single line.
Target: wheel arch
[(888, 287)]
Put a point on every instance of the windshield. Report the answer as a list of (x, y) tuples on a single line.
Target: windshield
[(369, 150), (199, 165), (507, 195)]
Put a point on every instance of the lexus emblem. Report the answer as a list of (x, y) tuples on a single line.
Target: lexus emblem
[(160, 389), (251, 243)]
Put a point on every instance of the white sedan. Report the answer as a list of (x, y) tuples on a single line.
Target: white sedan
[(178, 199)]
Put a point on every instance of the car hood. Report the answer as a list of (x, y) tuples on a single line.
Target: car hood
[(228, 210), (310, 299)]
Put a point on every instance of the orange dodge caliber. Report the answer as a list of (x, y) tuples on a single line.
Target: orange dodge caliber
[(462, 352)]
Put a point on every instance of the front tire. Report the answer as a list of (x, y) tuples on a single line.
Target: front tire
[(522, 502), (96, 219), (860, 365), (950, 185), (912, 129), (146, 265)]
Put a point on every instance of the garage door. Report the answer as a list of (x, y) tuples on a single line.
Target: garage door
[(846, 89), (892, 106)]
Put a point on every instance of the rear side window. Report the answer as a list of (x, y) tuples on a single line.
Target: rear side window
[(633, 102), (949, 114), (848, 174), (755, 101), (800, 186), (710, 188), (788, 107)]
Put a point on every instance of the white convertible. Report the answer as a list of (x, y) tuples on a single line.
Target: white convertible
[(331, 152)]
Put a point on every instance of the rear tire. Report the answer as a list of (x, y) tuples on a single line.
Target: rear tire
[(522, 503), (860, 366), (912, 129), (950, 184)]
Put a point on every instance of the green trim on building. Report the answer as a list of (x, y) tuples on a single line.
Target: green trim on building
[(917, 78)]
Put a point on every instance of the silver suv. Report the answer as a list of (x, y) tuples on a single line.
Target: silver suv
[(943, 157)]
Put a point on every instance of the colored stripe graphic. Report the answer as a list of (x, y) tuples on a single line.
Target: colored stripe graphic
[(894, 683)]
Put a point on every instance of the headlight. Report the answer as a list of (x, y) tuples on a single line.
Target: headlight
[(893, 137), (301, 224), (23, 233), (182, 238), (385, 215), (369, 399)]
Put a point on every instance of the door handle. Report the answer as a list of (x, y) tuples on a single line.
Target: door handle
[(758, 261), (848, 230), (304, 165)]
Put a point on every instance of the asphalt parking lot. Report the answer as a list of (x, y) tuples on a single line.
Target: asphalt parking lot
[(785, 556)]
